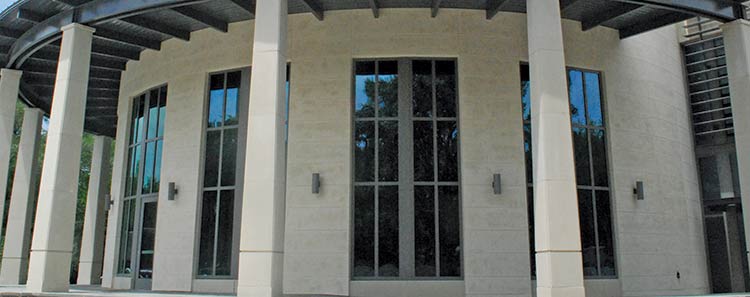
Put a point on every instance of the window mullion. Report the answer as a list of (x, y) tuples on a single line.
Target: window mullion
[(405, 171), (436, 200)]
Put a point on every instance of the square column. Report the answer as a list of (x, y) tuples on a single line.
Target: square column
[(737, 47), (557, 230), (52, 245), (15, 261), (92, 238), (10, 81), (262, 231)]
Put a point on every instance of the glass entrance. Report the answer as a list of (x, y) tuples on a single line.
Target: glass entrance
[(138, 222), (146, 246)]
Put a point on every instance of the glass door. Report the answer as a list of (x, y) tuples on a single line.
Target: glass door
[(145, 254), (138, 221)]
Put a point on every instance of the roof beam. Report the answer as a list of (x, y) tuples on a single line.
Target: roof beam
[(653, 23), (606, 15), (30, 16), (247, 5), (158, 27), (494, 6), (435, 7), (203, 17), (106, 52), (71, 3), (375, 6), (716, 9), (127, 39), (10, 33), (315, 8), (565, 4)]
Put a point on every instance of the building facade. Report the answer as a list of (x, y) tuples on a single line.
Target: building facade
[(379, 151)]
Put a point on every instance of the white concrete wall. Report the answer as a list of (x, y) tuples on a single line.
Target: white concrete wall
[(650, 140)]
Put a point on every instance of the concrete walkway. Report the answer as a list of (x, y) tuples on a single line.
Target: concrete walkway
[(96, 291)]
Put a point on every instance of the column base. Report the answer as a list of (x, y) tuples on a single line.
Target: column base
[(13, 271), (559, 274), (49, 271), (89, 273), (561, 292), (260, 274)]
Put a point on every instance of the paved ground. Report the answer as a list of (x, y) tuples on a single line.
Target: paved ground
[(95, 291)]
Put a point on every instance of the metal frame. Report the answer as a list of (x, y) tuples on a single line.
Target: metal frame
[(138, 197), (405, 182), (241, 126), (593, 189)]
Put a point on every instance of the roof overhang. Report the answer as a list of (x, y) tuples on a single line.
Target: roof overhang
[(30, 31)]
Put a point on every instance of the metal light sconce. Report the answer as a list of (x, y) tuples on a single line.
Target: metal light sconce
[(316, 183), (172, 191), (497, 184), (638, 191)]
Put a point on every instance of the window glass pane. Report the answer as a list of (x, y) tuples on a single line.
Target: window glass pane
[(581, 152), (388, 231), (526, 100), (599, 155), (229, 158), (388, 151), (211, 167), (588, 235), (129, 176), (422, 88), (157, 167), (136, 168), (423, 151), (388, 88), (162, 109), (577, 107), (134, 128), (208, 227), (445, 88), (126, 240), (364, 231), (148, 171), (527, 153), (224, 236), (530, 211), (447, 149), (450, 243), (233, 88), (604, 226), (148, 229), (364, 93), (139, 118), (216, 101), (424, 231), (593, 99), (709, 173), (153, 114), (364, 151)]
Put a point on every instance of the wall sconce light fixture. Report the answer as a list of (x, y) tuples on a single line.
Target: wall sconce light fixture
[(638, 191), (172, 191), (497, 184), (316, 183)]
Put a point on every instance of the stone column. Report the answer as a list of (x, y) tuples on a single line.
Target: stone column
[(262, 231), (10, 80), (92, 238), (737, 47), (51, 248), (15, 261), (559, 268)]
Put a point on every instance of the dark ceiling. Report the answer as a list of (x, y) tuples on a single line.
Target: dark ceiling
[(30, 32)]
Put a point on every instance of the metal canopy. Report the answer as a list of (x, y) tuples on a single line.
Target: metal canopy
[(30, 31)]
